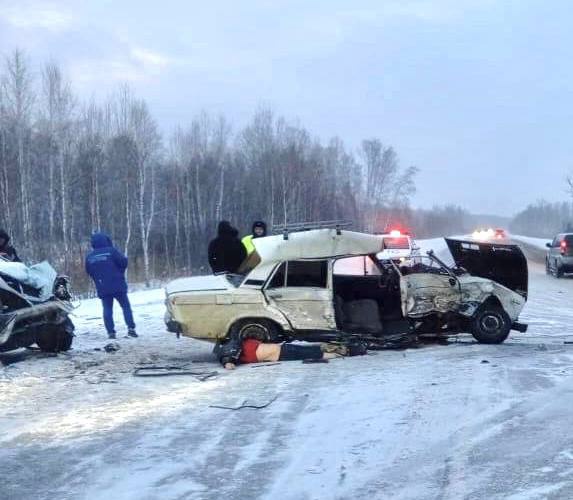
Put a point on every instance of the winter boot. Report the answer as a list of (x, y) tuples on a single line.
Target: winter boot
[(357, 349), (111, 335), (131, 333)]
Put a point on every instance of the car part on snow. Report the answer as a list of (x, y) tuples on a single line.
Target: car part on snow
[(166, 371), (112, 347), (245, 405)]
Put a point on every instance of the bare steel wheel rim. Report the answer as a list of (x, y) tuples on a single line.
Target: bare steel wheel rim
[(491, 323), (254, 331)]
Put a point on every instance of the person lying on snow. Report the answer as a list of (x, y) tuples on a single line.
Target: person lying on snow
[(255, 351)]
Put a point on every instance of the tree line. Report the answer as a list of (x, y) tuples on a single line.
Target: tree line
[(69, 168), (544, 219)]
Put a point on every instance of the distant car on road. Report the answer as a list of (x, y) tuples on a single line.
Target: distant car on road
[(489, 234), (483, 234), (397, 247), (559, 259)]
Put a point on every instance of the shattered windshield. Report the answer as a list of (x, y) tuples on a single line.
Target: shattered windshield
[(423, 264)]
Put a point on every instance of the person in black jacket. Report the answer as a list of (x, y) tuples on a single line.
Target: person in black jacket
[(226, 252), (7, 251)]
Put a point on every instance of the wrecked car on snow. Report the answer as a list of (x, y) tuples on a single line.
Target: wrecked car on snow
[(35, 307), (315, 284)]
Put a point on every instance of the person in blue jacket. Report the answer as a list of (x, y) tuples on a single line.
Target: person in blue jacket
[(107, 265)]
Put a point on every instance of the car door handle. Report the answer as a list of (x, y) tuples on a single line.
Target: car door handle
[(275, 296)]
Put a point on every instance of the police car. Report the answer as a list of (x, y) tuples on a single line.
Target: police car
[(398, 246)]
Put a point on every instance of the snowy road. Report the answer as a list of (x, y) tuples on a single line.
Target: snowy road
[(441, 422)]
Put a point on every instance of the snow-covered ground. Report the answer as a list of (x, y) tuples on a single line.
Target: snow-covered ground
[(540, 243), (459, 421)]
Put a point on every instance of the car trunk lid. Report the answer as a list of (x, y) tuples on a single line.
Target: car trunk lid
[(210, 283), (505, 264)]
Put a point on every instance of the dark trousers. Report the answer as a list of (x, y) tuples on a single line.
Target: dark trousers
[(123, 301), (292, 352)]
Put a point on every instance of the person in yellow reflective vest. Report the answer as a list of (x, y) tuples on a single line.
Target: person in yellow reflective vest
[(259, 230)]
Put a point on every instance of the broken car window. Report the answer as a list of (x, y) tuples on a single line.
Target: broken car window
[(423, 265), (278, 280), (361, 265), (307, 273)]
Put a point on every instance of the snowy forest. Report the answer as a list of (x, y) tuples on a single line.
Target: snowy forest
[(544, 219), (69, 168)]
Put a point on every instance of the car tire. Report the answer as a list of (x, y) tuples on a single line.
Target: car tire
[(56, 339), (491, 325), (256, 328), (547, 267), (558, 271)]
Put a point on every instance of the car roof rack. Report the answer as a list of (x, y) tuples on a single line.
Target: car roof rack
[(296, 227)]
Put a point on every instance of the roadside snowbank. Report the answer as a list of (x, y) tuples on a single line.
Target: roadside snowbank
[(534, 242)]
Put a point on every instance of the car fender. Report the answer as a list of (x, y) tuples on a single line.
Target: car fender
[(270, 313), (476, 291)]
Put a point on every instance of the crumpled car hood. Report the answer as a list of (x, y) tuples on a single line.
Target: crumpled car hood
[(505, 264)]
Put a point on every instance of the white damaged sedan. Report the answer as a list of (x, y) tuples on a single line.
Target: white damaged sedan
[(322, 283)]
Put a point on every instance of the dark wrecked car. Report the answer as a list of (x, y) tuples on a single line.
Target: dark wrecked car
[(35, 307), (328, 282)]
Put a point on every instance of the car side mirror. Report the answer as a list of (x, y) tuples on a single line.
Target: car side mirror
[(548, 245)]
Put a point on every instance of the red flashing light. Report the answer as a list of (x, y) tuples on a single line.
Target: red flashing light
[(395, 233)]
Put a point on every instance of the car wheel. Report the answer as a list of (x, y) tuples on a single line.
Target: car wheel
[(58, 338), (558, 271), (259, 329), (547, 267), (491, 325)]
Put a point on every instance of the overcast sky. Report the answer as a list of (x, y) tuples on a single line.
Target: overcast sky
[(476, 93)]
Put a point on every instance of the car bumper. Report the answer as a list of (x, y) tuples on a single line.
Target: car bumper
[(566, 263), (520, 327), (51, 312)]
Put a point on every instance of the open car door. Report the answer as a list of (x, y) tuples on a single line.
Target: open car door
[(426, 287), (299, 289)]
